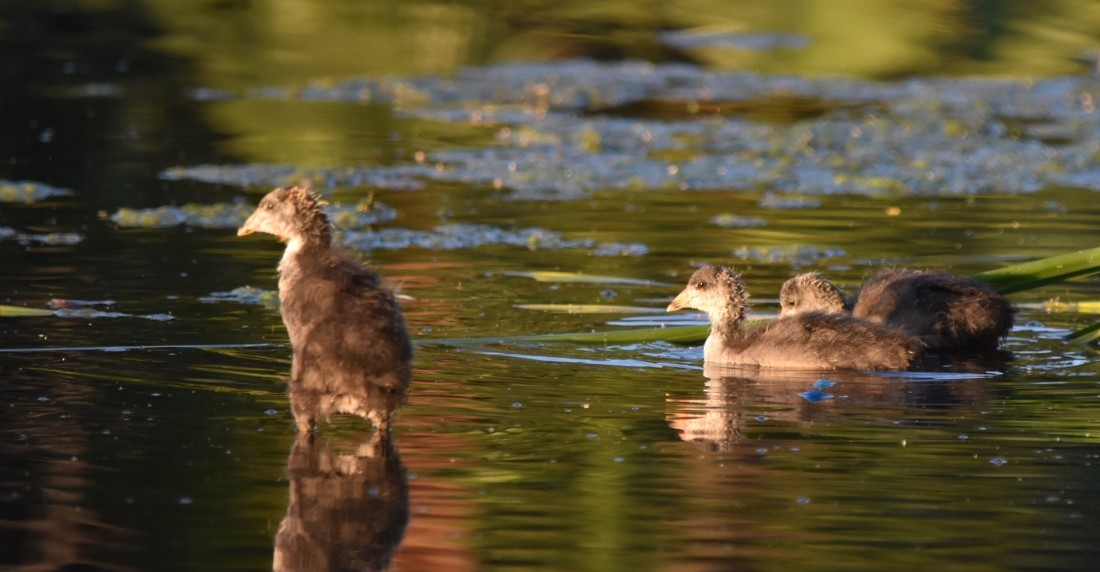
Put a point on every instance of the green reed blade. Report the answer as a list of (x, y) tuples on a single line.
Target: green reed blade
[(18, 311), (1084, 335), (1031, 275)]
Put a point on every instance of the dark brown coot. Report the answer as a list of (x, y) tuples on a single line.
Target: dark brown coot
[(944, 310), (351, 351), (810, 340)]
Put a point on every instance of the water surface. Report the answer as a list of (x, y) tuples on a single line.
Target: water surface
[(149, 430)]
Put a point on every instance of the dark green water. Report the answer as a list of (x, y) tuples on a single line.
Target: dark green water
[(958, 137)]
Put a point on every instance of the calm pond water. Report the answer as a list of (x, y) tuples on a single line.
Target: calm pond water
[(145, 423)]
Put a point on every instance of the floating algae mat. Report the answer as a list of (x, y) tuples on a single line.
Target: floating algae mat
[(566, 129)]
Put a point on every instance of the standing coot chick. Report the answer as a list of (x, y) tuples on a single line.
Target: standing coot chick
[(944, 310), (810, 340), (351, 351)]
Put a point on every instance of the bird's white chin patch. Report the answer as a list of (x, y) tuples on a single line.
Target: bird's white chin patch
[(294, 245)]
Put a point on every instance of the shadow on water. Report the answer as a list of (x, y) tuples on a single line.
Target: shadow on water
[(48, 468), (347, 511), (86, 97)]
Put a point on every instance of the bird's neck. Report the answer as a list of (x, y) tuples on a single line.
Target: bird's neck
[(728, 323), (298, 247)]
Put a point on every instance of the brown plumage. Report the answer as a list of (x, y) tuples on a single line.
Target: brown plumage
[(810, 292), (809, 340), (352, 353), (944, 310)]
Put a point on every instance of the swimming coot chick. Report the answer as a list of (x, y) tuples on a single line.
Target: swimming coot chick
[(944, 310), (809, 340), (351, 351), (810, 292)]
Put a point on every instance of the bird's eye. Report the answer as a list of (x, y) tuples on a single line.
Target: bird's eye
[(269, 205), (701, 285)]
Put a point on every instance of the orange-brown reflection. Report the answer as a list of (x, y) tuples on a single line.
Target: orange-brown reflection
[(441, 511), (717, 421)]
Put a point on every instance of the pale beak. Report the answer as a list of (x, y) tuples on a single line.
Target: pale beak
[(247, 228), (681, 301)]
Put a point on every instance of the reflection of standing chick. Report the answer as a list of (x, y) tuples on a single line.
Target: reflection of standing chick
[(351, 350), (944, 310), (813, 340), (346, 511)]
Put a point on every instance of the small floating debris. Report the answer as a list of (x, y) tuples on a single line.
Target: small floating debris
[(795, 255), (620, 249), (694, 39), (219, 215), (232, 215), (729, 220), (97, 90), (92, 313), (28, 191), (75, 309), (50, 238), (263, 175), (88, 313), (211, 94), (245, 295), (457, 236), (59, 303), (273, 175), (775, 201)]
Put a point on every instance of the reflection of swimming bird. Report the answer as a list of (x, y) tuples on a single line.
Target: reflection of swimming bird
[(741, 405), (944, 310), (346, 511), (351, 350), (812, 340)]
